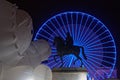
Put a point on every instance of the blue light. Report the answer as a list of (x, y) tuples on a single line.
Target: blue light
[(87, 31)]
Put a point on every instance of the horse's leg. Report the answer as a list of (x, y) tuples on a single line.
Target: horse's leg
[(55, 58), (83, 53), (79, 58), (75, 61), (61, 61)]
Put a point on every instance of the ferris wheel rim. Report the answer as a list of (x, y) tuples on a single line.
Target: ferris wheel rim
[(79, 13)]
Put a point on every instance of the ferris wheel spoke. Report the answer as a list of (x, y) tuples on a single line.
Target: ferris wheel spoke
[(106, 62), (86, 32), (95, 67), (61, 18), (57, 30), (95, 55), (109, 42), (83, 31), (93, 41), (52, 47), (51, 44), (47, 38), (72, 27), (80, 26), (53, 62), (100, 48), (86, 65), (90, 71), (53, 50), (66, 62), (60, 26), (100, 52), (51, 30), (92, 68), (100, 55), (90, 33), (48, 33), (70, 63), (99, 67), (59, 65), (99, 63), (51, 57), (56, 64), (95, 62), (68, 25), (83, 25), (76, 27), (89, 65)]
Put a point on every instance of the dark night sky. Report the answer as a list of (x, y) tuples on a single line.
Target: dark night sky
[(107, 11)]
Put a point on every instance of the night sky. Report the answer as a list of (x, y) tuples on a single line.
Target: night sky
[(105, 10)]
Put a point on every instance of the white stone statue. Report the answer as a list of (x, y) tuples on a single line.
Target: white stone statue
[(15, 32), (19, 73), (19, 57), (37, 52), (26, 72), (42, 72)]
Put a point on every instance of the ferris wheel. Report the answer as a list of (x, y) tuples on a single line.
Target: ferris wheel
[(86, 31)]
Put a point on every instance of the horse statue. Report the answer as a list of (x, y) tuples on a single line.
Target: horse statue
[(67, 49)]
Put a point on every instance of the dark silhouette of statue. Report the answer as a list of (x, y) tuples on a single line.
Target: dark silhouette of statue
[(69, 41), (66, 47)]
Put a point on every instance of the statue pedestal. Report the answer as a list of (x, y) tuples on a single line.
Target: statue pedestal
[(69, 74)]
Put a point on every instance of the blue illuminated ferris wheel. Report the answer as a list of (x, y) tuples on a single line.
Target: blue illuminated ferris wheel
[(86, 31)]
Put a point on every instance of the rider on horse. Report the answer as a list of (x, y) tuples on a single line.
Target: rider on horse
[(69, 41), (66, 47)]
